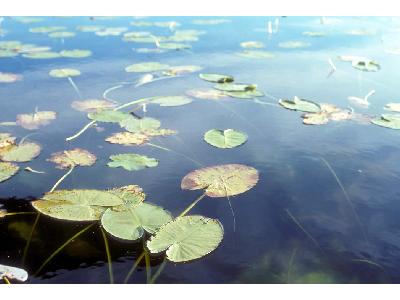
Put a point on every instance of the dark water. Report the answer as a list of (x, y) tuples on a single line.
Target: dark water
[(354, 241)]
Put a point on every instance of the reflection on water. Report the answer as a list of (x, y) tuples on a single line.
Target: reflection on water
[(295, 226)]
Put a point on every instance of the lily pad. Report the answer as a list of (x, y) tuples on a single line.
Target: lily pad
[(210, 21), (218, 78), (109, 116), (142, 125), (171, 100), (130, 222), (62, 73), (228, 138), (388, 120), (46, 29), (187, 238), (7, 170), (13, 273), (20, 153), (361, 63), (90, 28), (158, 132), (221, 180), (245, 94), (6, 140), (178, 70), (300, 104), (252, 44), (92, 105), (208, 94), (130, 194), (76, 53), (132, 161), (9, 77), (36, 120), (256, 54), (146, 67), (393, 107), (174, 46), (61, 34), (42, 55), (76, 205), (315, 118), (235, 87), (75, 157), (128, 138), (294, 44), (7, 53)]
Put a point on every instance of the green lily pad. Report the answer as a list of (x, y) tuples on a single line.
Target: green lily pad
[(130, 222), (361, 63), (171, 100), (132, 161), (128, 138), (92, 105), (76, 205), (228, 138), (256, 54), (13, 273), (62, 73), (90, 28), (218, 78), (388, 120), (221, 180), (20, 153), (42, 55), (9, 77), (109, 116), (36, 120), (245, 94), (174, 46), (7, 170), (187, 238), (142, 125), (46, 29), (235, 87), (7, 53), (178, 70), (300, 104), (146, 67), (61, 34), (130, 194), (76, 53), (75, 157), (393, 107), (294, 44)]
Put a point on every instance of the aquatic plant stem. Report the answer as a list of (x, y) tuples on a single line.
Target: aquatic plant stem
[(6, 280), (192, 205), (181, 154), (75, 87), (20, 213), (62, 178), (137, 262), (81, 131), (109, 258), (28, 242), (59, 249), (291, 264), (109, 90), (158, 273), (148, 267)]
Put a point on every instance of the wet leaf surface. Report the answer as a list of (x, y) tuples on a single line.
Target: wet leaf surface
[(36, 120), (75, 157), (132, 161), (228, 138)]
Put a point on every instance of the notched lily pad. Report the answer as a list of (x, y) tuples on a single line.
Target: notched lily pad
[(388, 120), (142, 125), (218, 78), (75, 157), (7, 170), (171, 100), (62, 73), (361, 63), (92, 105), (23, 152), (300, 104), (109, 116), (128, 138), (36, 120), (147, 67), (132, 161), (208, 94), (228, 138)]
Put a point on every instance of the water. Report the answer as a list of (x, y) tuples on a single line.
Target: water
[(295, 225)]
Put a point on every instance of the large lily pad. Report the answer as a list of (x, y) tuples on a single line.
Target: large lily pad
[(300, 104), (20, 153), (92, 105), (147, 67), (228, 138), (62, 73), (75, 157), (76, 53), (388, 120), (393, 107), (221, 180), (171, 100), (132, 161), (76, 205), (142, 125), (9, 77), (187, 238), (235, 87), (13, 273), (36, 120), (130, 222), (128, 138), (7, 170), (218, 78), (109, 116)]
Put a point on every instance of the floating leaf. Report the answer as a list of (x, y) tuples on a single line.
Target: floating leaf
[(294, 44), (20, 153), (132, 162), (42, 55), (221, 180), (113, 31), (361, 63), (46, 29), (256, 54), (142, 125), (36, 120), (158, 132), (130, 222), (146, 67), (62, 73), (76, 205), (6, 140), (178, 70), (109, 116), (245, 94), (388, 120), (315, 118), (218, 78), (9, 77), (13, 273), (92, 105), (252, 44), (90, 28), (130, 194), (61, 34), (328, 113), (300, 104), (314, 33), (235, 87), (228, 138), (7, 170), (75, 157), (128, 138), (205, 93), (7, 53), (174, 46), (187, 238), (76, 53), (393, 107), (171, 100)]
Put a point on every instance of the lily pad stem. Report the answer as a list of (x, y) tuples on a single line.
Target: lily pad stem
[(75, 87), (6, 280), (137, 262), (28, 242), (62, 178), (192, 205), (109, 259)]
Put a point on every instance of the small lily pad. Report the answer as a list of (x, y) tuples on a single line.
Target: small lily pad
[(46, 29), (294, 44), (128, 138), (187, 238), (130, 222), (20, 153), (171, 100), (41, 55), (109, 116), (142, 125), (36, 120), (7, 170), (90, 28), (9, 77), (228, 138), (218, 78), (361, 63), (388, 120), (208, 94), (300, 104), (61, 34), (132, 161), (62, 73), (146, 67), (314, 33), (221, 180), (76, 53), (174, 46), (7, 53), (235, 87), (75, 157), (92, 105), (13, 273), (245, 94)]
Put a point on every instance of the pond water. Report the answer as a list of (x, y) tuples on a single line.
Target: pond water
[(326, 206)]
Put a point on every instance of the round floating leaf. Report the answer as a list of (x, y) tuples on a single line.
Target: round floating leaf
[(228, 138), (9, 77), (7, 53), (20, 153), (6, 140), (46, 29), (158, 132), (235, 87), (256, 54), (62, 73), (393, 107), (76, 53), (294, 44), (132, 162), (140, 125), (171, 100), (221, 180), (174, 46), (208, 94), (75, 157), (109, 116), (187, 238), (7, 170), (76, 205), (252, 44), (128, 138), (13, 273), (178, 70), (92, 105), (36, 120), (42, 55), (130, 194), (130, 222), (146, 67), (388, 120), (61, 34), (245, 94), (300, 104), (218, 78)]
